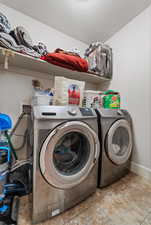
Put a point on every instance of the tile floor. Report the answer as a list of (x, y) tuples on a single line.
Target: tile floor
[(126, 202)]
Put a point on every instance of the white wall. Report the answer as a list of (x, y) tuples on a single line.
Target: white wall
[(41, 32), (14, 87), (132, 77)]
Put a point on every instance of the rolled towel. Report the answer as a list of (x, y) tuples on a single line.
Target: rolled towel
[(4, 24), (41, 49)]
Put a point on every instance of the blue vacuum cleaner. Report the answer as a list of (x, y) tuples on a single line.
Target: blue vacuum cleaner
[(8, 203), (15, 178)]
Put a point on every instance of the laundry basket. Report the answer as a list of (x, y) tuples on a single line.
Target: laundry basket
[(100, 59), (93, 99)]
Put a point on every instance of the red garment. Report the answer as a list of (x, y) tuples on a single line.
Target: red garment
[(67, 61)]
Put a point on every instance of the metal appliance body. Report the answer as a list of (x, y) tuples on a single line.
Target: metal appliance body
[(116, 144), (65, 158)]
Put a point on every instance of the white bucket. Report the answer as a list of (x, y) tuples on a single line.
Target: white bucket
[(42, 100)]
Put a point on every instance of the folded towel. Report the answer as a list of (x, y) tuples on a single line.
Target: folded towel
[(67, 61), (4, 24), (22, 37), (7, 41)]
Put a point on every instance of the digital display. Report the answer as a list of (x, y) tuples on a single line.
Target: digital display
[(86, 112), (49, 114)]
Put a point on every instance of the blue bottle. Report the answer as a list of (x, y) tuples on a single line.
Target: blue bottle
[(5, 124), (3, 139)]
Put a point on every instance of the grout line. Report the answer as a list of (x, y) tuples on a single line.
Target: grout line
[(145, 217)]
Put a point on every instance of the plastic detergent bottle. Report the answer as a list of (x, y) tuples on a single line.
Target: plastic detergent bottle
[(111, 100)]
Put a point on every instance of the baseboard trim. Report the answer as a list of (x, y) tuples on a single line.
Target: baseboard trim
[(141, 170)]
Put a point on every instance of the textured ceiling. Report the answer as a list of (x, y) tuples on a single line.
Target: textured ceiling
[(85, 20)]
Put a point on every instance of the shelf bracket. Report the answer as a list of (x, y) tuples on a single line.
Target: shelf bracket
[(7, 53)]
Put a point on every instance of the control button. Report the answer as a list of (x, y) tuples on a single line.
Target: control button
[(72, 111)]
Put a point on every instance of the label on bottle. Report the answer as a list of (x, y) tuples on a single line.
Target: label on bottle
[(73, 94)]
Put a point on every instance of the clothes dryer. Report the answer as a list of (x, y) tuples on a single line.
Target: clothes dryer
[(116, 144)]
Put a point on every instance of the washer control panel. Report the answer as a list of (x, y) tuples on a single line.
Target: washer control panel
[(62, 112), (86, 112)]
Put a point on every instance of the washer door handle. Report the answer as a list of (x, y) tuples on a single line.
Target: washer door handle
[(52, 134), (97, 151), (120, 113)]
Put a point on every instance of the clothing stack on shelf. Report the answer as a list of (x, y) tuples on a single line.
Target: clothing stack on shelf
[(97, 58), (100, 59), (19, 39), (67, 59)]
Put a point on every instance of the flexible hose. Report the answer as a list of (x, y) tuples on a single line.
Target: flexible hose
[(24, 141), (25, 134), (17, 123), (11, 146)]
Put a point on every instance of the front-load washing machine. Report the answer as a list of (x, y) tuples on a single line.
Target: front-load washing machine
[(65, 158), (116, 144)]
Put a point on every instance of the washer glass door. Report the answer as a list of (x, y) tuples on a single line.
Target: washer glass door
[(69, 154), (119, 142)]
